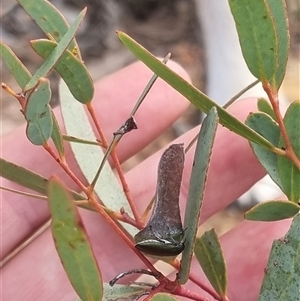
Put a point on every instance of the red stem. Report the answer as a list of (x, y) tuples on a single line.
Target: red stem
[(116, 163), (19, 96), (207, 289), (175, 288), (64, 166), (183, 292), (195, 280), (289, 152)]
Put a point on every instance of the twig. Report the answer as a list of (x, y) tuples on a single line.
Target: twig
[(289, 151)]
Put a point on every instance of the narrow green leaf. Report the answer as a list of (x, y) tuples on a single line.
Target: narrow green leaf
[(89, 157), (121, 292), (72, 243), (268, 128), (272, 211), (70, 68), (281, 281), (27, 178), (288, 171), (210, 256), (57, 136), (292, 124), (77, 140), (163, 297), (38, 114), (196, 189), (196, 97), (278, 12), (15, 66), (264, 106), (22, 176), (57, 52), (257, 35), (49, 19)]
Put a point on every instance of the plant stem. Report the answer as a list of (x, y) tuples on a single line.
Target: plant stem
[(19, 96), (289, 152), (194, 279), (239, 94), (64, 166), (184, 292), (116, 163), (25, 243), (28, 194)]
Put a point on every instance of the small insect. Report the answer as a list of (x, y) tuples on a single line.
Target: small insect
[(163, 235)]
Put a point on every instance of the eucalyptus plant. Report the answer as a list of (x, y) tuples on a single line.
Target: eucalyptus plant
[(264, 38)]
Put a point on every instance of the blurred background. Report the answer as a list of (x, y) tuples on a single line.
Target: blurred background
[(195, 32)]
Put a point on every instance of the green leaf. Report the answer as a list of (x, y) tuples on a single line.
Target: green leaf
[(77, 140), (281, 281), (163, 297), (89, 157), (49, 19), (210, 256), (15, 66), (196, 97), (264, 106), (272, 211), (56, 53), (257, 35), (57, 137), (22, 176), (72, 243), (121, 292), (71, 69), (38, 114), (268, 128), (280, 20), (27, 178), (196, 189), (288, 171)]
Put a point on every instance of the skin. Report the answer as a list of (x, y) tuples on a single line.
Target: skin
[(36, 272)]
